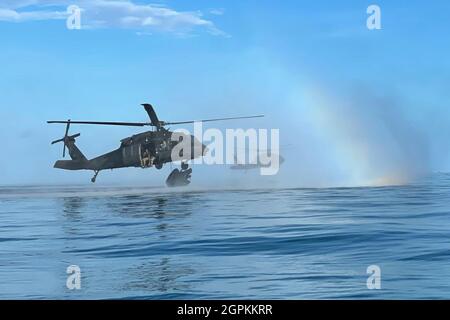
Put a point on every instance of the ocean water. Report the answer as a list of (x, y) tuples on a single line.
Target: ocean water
[(147, 243)]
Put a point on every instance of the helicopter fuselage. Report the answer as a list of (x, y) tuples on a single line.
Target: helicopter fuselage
[(147, 149)]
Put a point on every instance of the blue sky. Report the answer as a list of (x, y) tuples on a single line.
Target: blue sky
[(383, 93)]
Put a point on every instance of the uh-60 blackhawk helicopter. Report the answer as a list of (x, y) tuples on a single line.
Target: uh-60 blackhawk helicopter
[(147, 149)]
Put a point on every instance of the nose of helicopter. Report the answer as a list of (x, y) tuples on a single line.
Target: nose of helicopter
[(198, 148), (204, 149)]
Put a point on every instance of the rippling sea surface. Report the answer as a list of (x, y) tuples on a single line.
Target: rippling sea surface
[(146, 243)]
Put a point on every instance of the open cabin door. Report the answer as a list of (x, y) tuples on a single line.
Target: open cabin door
[(147, 152)]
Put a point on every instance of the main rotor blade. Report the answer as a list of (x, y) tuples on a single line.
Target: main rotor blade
[(209, 120), (106, 123), (142, 124), (151, 114)]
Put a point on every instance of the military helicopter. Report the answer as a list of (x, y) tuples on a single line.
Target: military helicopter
[(147, 149), (250, 166)]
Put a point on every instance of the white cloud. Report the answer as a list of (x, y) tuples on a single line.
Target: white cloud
[(217, 12), (14, 4), (15, 16), (123, 14)]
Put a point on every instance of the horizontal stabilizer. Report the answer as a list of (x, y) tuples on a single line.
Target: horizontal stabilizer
[(71, 164)]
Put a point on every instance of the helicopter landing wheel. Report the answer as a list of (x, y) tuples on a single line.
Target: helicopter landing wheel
[(184, 166), (95, 176), (158, 165)]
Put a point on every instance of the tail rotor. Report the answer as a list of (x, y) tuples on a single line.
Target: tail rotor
[(66, 138)]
